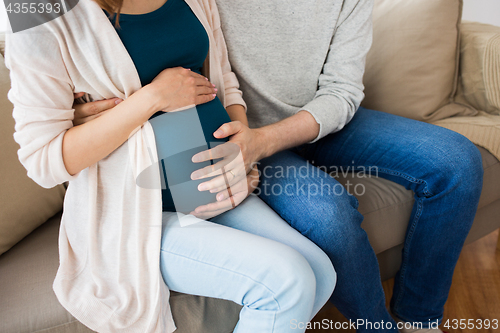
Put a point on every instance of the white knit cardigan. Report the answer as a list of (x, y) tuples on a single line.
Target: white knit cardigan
[(109, 240)]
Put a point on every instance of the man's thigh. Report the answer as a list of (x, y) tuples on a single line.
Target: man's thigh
[(307, 197), (402, 150)]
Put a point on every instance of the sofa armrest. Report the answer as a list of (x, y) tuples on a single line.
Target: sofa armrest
[(480, 66)]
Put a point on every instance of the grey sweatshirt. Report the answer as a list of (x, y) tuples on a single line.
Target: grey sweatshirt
[(299, 55)]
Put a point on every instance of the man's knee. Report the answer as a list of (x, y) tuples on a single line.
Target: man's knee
[(458, 164)]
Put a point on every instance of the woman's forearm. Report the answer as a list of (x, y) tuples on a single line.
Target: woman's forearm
[(86, 144), (237, 113)]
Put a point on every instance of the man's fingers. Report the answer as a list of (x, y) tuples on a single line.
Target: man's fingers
[(224, 205), (225, 149), (234, 163), (228, 163), (226, 176), (83, 120), (220, 182), (207, 215), (228, 129), (93, 108), (210, 170), (241, 186), (78, 95)]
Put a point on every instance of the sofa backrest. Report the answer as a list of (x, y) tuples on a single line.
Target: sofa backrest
[(24, 205), (412, 67), (480, 66), (2, 42)]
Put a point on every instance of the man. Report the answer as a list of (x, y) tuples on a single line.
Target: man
[(300, 66)]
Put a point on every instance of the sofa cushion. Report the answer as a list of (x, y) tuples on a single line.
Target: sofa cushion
[(412, 67), (24, 205), (480, 66), (386, 206), (28, 303)]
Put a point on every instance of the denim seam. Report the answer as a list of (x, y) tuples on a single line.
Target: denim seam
[(408, 178), (223, 268), (414, 223), (407, 246), (399, 174)]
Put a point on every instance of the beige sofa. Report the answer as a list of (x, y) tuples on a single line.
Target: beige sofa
[(30, 215)]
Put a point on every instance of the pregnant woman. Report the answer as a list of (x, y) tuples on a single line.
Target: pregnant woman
[(121, 246)]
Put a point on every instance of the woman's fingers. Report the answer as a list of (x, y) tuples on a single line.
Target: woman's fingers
[(202, 99), (180, 88), (204, 90), (203, 82), (197, 76), (200, 80)]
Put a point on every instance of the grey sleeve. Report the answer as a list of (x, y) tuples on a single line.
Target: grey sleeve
[(340, 85)]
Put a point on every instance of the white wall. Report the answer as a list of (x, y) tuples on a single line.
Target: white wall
[(3, 17), (485, 11)]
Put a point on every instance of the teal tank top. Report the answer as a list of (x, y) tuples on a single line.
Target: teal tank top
[(172, 36)]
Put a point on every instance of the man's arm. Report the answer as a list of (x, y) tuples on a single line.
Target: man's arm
[(287, 133), (339, 94), (340, 84), (268, 140)]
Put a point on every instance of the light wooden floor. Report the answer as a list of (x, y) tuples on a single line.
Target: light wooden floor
[(474, 294)]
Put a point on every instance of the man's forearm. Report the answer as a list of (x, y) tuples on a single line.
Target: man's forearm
[(287, 133)]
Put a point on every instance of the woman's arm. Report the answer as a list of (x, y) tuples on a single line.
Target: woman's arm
[(237, 113), (51, 149), (173, 88), (88, 143)]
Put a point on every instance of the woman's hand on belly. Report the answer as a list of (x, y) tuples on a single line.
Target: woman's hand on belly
[(173, 89), (178, 88)]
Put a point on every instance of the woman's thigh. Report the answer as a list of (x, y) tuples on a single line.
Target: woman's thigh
[(212, 260), (254, 216)]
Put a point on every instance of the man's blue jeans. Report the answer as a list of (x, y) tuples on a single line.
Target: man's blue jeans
[(444, 170)]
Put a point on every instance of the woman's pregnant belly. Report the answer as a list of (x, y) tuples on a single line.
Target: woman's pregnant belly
[(180, 135)]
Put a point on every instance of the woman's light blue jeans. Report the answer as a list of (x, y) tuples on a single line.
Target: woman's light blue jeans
[(250, 256), (442, 168)]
